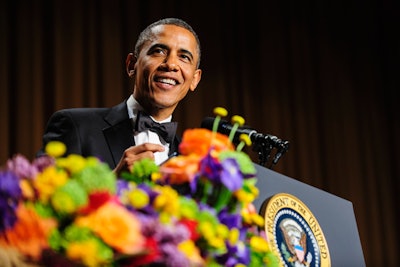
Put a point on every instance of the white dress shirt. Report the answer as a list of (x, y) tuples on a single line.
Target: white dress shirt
[(147, 136)]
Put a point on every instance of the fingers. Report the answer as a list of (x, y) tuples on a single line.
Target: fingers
[(136, 153), (143, 148), (146, 150)]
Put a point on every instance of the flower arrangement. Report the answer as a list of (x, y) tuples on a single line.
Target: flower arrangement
[(193, 210)]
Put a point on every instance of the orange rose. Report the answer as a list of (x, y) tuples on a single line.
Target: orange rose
[(199, 141), (29, 234), (180, 169), (117, 226)]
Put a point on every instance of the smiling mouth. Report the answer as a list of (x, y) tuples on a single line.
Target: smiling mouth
[(168, 81)]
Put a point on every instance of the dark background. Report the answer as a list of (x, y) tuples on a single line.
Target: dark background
[(321, 74)]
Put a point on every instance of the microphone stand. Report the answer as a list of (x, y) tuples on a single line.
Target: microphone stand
[(264, 144)]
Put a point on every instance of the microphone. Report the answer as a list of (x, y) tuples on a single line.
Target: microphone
[(263, 143), (225, 128)]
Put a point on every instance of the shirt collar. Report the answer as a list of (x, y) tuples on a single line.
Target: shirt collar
[(134, 106)]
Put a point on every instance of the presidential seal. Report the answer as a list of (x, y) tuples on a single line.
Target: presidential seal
[(294, 233)]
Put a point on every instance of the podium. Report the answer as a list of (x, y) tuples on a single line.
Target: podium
[(335, 215)]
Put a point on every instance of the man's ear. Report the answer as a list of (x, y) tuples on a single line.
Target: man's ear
[(130, 65), (196, 80)]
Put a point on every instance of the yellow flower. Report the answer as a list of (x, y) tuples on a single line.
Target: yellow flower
[(220, 111), (48, 181), (74, 163), (214, 235), (254, 190), (258, 220), (138, 198), (218, 243), (250, 215), (165, 218), (156, 176), (55, 149), (167, 201), (85, 252), (245, 196), (118, 227), (259, 244), (192, 252), (233, 236), (244, 140), (27, 190), (236, 119), (207, 230), (222, 230)]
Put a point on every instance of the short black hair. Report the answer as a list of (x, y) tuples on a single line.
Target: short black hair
[(146, 34)]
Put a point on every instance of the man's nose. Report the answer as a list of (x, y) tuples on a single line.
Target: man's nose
[(171, 63)]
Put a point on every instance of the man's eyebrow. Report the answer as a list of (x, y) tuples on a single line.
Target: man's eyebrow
[(162, 46)]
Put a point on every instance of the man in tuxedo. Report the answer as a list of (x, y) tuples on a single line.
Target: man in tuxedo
[(164, 67)]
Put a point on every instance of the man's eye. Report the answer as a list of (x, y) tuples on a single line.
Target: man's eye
[(158, 51), (185, 57)]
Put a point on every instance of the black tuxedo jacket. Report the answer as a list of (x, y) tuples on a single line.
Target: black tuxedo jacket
[(101, 132)]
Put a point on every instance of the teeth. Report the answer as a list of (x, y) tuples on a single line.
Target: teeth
[(168, 81)]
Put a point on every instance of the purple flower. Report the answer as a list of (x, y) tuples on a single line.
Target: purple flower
[(149, 224), (125, 186), (171, 234), (43, 162), (167, 238), (9, 185), (239, 253), (22, 167), (122, 185), (172, 256), (10, 192), (232, 220), (193, 184), (231, 176), (210, 167)]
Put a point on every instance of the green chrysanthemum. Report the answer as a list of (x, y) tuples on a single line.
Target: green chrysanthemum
[(55, 240), (141, 171), (69, 197), (97, 177), (75, 233), (44, 210), (188, 208)]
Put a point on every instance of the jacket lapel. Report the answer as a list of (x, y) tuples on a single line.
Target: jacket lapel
[(175, 145), (119, 135)]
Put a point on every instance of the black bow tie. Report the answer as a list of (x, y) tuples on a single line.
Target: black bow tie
[(165, 130)]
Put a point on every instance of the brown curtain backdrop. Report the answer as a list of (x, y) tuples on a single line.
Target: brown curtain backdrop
[(321, 74)]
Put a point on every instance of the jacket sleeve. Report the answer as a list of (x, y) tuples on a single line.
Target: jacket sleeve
[(61, 127)]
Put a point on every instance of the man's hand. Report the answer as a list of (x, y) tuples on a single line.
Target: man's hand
[(135, 153)]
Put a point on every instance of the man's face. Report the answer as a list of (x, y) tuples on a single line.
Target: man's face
[(165, 70)]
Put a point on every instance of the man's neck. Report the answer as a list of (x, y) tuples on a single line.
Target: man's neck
[(159, 115)]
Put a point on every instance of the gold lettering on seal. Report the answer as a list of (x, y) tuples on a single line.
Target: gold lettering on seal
[(283, 200)]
